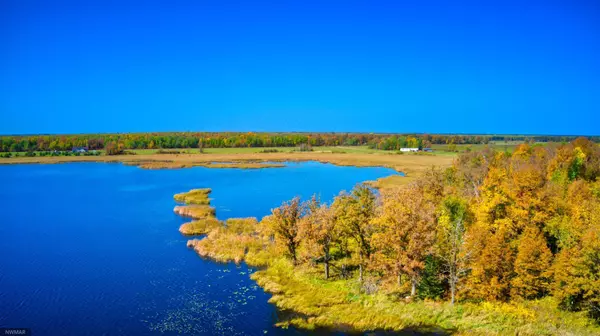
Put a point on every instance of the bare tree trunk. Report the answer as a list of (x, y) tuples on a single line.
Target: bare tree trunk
[(413, 289), (399, 279), (326, 260), (360, 268), (292, 251), (452, 291)]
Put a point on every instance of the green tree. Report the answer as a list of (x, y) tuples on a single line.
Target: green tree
[(450, 245)]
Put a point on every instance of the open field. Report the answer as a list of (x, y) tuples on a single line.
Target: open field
[(498, 145), (442, 149), (249, 150)]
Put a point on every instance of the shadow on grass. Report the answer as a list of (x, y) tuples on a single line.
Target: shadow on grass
[(343, 329)]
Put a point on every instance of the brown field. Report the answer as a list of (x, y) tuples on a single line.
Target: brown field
[(410, 164)]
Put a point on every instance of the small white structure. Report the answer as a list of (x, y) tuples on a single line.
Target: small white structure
[(409, 149)]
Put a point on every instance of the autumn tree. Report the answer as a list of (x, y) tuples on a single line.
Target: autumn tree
[(285, 221), (407, 232), (355, 212), (320, 230), (492, 264), (577, 265), (471, 169), (113, 148), (532, 266)]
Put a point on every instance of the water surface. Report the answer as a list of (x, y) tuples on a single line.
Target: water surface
[(94, 248)]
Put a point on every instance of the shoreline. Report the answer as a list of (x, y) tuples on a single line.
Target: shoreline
[(311, 303), (409, 164)]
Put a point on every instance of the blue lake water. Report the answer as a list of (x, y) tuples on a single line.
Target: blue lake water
[(94, 249)]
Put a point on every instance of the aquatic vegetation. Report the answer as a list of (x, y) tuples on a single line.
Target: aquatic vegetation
[(242, 165), (162, 164), (392, 181), (222, 247), (195, 211), (193, 312), (194, 196), (241, 225), (200, 226), (237, 241), (199, 209)]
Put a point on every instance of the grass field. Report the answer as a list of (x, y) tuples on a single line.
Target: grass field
[(266, 150), (498, 145)]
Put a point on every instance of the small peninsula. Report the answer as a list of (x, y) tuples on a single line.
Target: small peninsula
[(425, 256)]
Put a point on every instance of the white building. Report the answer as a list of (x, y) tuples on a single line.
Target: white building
[(409, 149)]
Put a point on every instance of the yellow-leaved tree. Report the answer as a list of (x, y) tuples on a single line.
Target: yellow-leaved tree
[(532, 266)]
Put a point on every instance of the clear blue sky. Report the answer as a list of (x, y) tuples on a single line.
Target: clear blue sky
[(372, 66)]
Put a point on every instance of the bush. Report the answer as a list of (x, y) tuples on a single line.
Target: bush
[(304, 148), (167, 151), (113, 149)]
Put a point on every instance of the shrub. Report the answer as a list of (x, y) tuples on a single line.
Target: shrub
[(167, 151), (304, 148)]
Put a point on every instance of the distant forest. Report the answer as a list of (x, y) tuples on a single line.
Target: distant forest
[(28, 143)]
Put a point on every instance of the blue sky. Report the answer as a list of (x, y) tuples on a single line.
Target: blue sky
[(527, 67)]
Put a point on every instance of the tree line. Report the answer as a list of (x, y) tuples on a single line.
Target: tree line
[(28, 143), (495, 226)]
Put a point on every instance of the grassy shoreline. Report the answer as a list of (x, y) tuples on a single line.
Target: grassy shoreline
[(249, 158), (311, 302), (410, 164)]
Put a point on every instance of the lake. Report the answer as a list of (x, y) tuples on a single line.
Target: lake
[(94, 248)]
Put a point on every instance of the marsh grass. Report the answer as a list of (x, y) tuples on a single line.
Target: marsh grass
[(237, 241), (194, 196), (241, 225), (162, 164), (242, 165), (339, 304), (200, 226), (392, 181), (199, 208), (195, 211)]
